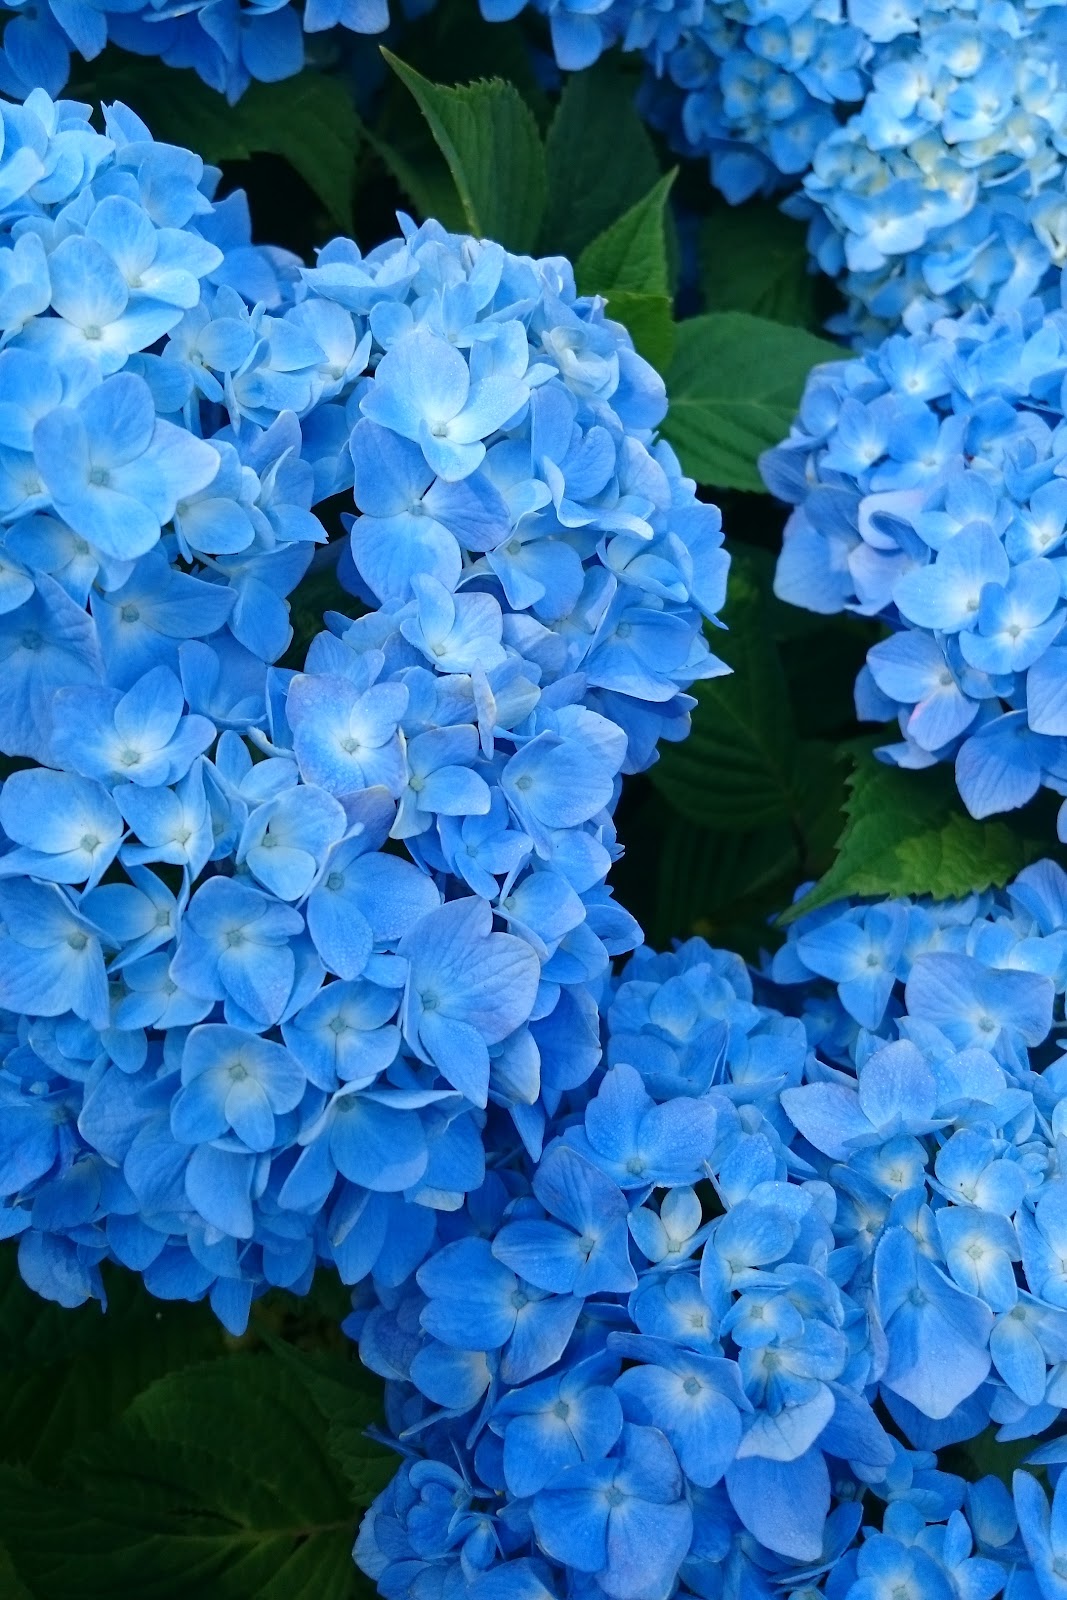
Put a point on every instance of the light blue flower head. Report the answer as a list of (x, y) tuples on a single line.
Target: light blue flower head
[(799, 1229), (925, 481), (275, 944)]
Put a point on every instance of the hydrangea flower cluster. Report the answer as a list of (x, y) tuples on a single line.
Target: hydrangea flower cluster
[(754, 88), (228, 44), (927, 481), (271, 941), (647, 1363), (764, 75), (946, 189)]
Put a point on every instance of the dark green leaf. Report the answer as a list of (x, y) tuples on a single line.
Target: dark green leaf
[(11, 1585), (819, 784), (820, 655), (218, 1481), (743, 765), (734, 386), (309, 120), (36, 1332), (599, 156), (631, 254), (349, 1399), (64, 1374), (408, 150), (735, 770), (907, 833), (821, 667), (987, 1456), (489, 138), (648, 320), (754, 259), (627, 264), (723, 886), (444, 47), (318, 593), (310, 1321)]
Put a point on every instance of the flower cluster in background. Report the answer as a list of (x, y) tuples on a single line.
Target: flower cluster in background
[(946, 189), (195, 840), (942, 190), (753, 88), (646, 1364), (230, 45), (927, 481)]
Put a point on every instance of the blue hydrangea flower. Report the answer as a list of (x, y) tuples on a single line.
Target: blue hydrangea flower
[(924, 484), (924, 140), (908, 198), (276, 945), (881, 1223)]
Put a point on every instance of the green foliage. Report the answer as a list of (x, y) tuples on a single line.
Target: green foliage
[(130, 1465), (627, 263), (647, 318), (755, 259), (407, 151), (64, 1374), (750, 804), (349, 1401), (11, 1585), (745, 764), (490, 140), (219, 1476), (443, 45), (987, 1456), (723, 886), (308, 120), (631, 254), (600, 160), (907, 833), (734, 386), (319, 592)]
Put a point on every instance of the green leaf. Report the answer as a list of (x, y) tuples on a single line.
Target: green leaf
[(735, 769), (734, 386), (743, 765), (11, 1585), (407, 149), (36, 1332), (754, 794), (490, 140), (723, 886), (821, 666), (308, 120), (627, 264), (443, 46), (319, 592), (986, 1456), (64, 1374), (648, 320), (907, 833), (349, 1398), (631, 254), (599, 157), (218, 1481), (754, 259)]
